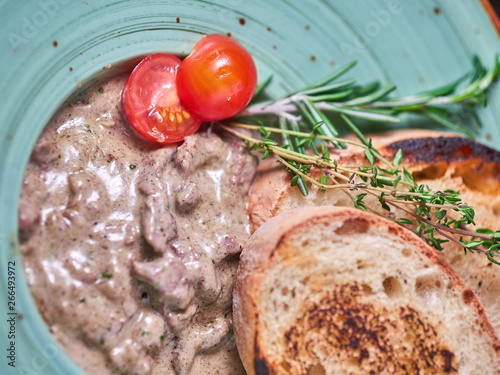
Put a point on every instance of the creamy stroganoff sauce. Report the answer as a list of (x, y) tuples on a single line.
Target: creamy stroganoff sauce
[(129, 248)]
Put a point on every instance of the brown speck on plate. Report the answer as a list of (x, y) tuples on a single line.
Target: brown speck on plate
[(242, 21), (437, 10), (178, 20), (54, 43)]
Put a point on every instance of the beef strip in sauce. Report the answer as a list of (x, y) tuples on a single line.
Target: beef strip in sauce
[(130, 249)]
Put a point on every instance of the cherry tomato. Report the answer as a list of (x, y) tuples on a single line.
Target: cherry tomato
[(151, 103), (218, 78)]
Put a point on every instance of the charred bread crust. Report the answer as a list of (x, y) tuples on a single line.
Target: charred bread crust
[(435, 149), (272, 244)]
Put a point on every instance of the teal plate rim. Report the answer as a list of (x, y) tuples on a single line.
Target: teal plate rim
[(54, 47)]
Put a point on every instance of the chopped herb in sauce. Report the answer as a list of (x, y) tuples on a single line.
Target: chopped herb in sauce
[(107, 275)]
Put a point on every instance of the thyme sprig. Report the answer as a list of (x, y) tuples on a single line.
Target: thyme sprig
[(308, 135)]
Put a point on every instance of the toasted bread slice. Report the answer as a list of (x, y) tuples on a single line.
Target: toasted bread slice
[(271, 192), (331, 290), (439, 160)]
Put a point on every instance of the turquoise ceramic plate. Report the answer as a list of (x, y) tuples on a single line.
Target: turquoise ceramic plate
[(50, 48)]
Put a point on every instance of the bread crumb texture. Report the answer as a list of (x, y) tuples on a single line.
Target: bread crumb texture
[(342, 329), (328, 290)]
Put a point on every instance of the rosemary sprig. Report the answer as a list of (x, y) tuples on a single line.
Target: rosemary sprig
[(370, 102), (306, 134)]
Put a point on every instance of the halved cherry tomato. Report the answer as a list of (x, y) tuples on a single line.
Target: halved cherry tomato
[(218, 79), (151, 103)]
